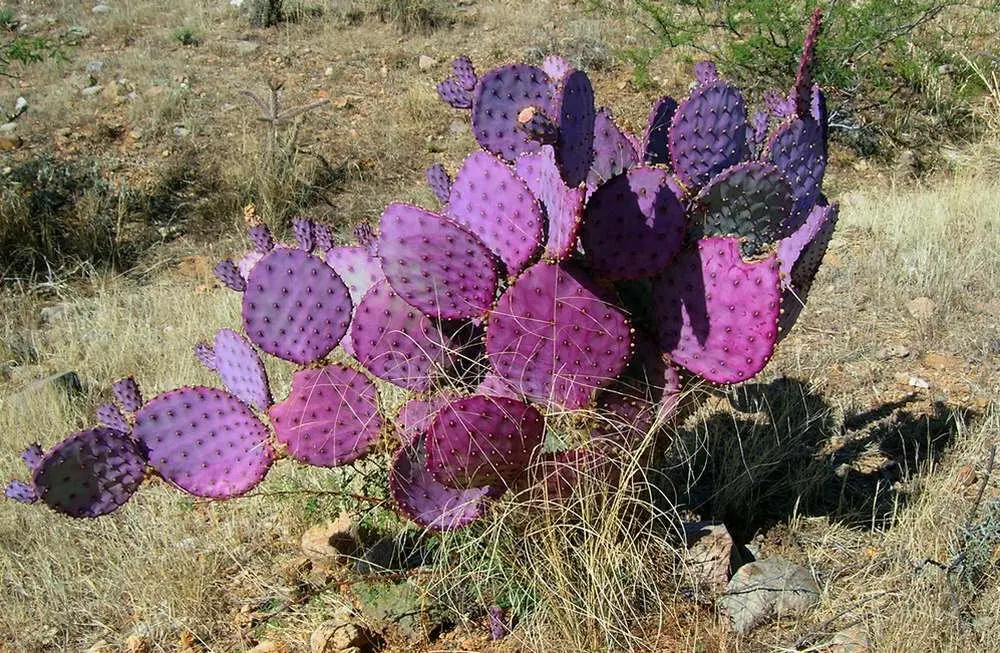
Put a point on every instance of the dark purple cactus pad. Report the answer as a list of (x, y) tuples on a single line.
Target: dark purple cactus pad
[(247, 262), (779, 104), (32, 456), (110, 416), (261, 238), (241, 370), (706, 73), (493, 385), (563, 205), (424, 500), (819, 113), (439, 181), (452, 93), (295, 306), (323, 237), (633, 225), (718, 314), (801, 255), (367, 238), (757, 132), (656, 146), (573, 108), (490, 201), (304, 234), (205, 441), (555, 339), (230, 276), (127, 393), (464, 72), (330, 418), (752, 201), (796, 148), (21, 492), (500, 95), (481, 440), (498, 623), (614, 152), (435, 264), (556, 67), (538, 126), (357, 267), (708, 133), (396, 342), (416, 415), (90, 473), (206, 356), (801, 90)]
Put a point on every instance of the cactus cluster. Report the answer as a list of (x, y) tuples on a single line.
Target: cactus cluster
[(571, 265)]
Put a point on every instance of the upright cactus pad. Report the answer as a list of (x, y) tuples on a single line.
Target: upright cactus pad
[(204, 441), (801, 255), (424, 500), (718, 314), (656, 144), (439, 181), (464, 72), (330, 418), (563, 205), (708, 133), (556, 67), (573, 108), (295, 306), (802, 87), (32, 456), (482, 440), (490, 201), (241, 370), (555, 338), (90, 473), (435, 264), (797, 149), (304, 234), (396, 342), (500, 96), (261, 238), (752, 201), (633, 225), (706, 73), (614, 152), (110, 416), (127, 393), (452, 93), (229, 274)]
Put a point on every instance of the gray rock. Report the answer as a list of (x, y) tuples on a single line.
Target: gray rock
[(101, 9), (95, 67), (8, 128), (342, 633), (426, 63), (52, 314), (765, 589), (711, 553), (91, 91)]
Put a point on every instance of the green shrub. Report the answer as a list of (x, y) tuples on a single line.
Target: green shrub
[(186, 36)]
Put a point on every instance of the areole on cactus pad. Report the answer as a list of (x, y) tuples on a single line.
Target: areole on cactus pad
[(572, 266)]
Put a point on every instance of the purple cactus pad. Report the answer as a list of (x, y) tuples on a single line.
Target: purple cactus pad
[(90, 473), (206, 356), (32, 456), (323, 237), (330, 418), (708, 133), (230, 275), (493, 385), (573, 107), (482, 440), (295, 306), (554, 338), (205, 441), (633, 225), (21, 492), (439, 181), (803, 77), (797, 149), (801, 255), (496, 206), (357, 267), (241, 370), (718, 314), (819, 113), (500, 95), (451, 92), (247, 262), (110, 416), (427, 502), (656, 145), (556, 67), (261, 238), (416, 415), (614, 152), (563, 205), (538, 126), (396, 342), (127, 393), (304, 234), (367, 238), (706, 73), (464, 72), (434, 264)]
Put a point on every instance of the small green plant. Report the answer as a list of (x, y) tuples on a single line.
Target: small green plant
[(7, 19), (265, 13), (413, 15), (187, 36)]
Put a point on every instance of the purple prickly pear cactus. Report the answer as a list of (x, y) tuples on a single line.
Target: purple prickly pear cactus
[(295, 306), (21, 492), (556, 67), (718, 314), (424, 500), (464, 72), (230, 276), (241, 369), (538, 126), (563, 205), (439, 181), (480, 440), (656, 145), (32, 456), (451, 92), (801, 255), (247, 262), (706, 73), (798, 150), (500, 96), (110, 416), (708, 133), (206, 356), (633, 225), (357, 267), (127, 393), (573, 107), (496, 206), (556, 338), (416, 415), (204, 441), (801, 90), (435, 264), (323, 237), (304, 234), (498, 623), (330, 418), (614, 152), (261, 238)]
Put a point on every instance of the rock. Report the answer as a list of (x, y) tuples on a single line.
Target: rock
[(91, 91), (426, 63), (268, 646), (892, 351), (20, 105), (8, 128), (921, 308), (398, 608), (181, 131), (95, 67), (849, 640), (333, 543), (101, 9), (136, 644), (711, 553), (342, 633), (10, 142), (52, 314), (767, 588), (917, 382)]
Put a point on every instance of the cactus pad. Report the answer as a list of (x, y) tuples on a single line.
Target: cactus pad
[(490, 201), (90, 473), (633, 225), (801, 90), (708, 133), (110, 416), (493, 385), (261, 238), (656, 147), (705, 73), (241, 370), (614, 152), (801, 255), (416, 415), (206, 356), (247, 262), (357, 267), (797, 149), (127, 393), (330, 417), (434, 264), (396, 342), (439, 181), (452, 93), (204, 441), (32, 456), (295, 306), (464, 72), (229, 274), (500, 95), (21, 492), (563, 205), (573, 107), (304, 234), (751, 201), (718, 314), (556, 67), (424, 500), (554, 338), (481, 440)]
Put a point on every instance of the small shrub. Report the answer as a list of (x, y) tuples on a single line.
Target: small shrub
[(414, 15), (186, 36)]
